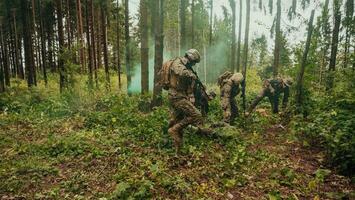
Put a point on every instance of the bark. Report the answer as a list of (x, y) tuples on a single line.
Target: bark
[(62, 71), (118, 32), (37, 59), (192, 23), (334, 48), (233, 48), (20, 73), (325, 25), (82, 60), (43, 45), (2, 78), (239, 34), (211, 20), (158, 57), (90, 56), (68, 24), (27, 38), (299, 82), (93, 42), (245, 53), (105, 50), (182, 26), (128, 47), (99, 39), (144, 48), (5, 55), (277, 40)]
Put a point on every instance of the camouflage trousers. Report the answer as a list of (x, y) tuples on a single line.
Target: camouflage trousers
[(183, 113), (230, 109)]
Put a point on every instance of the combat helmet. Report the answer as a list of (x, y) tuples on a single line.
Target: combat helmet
[(193, 55)]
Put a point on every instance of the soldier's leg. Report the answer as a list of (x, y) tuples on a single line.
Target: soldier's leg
[(176, 133), (234, 108), (227, 111), (276, 103)]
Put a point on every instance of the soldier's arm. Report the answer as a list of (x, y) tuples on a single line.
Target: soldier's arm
[(258, 98), (181, 70)]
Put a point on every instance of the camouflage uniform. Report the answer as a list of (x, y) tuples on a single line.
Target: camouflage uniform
[(272, 88), (181, 97), (229, 86)]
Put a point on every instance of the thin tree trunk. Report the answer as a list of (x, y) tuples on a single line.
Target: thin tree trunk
[(144, 48), (68, 21), (245, 53), (80, 35), (20, 73), (118, 48), (299, 82), (192, 23), (27, 38), (335, 39), (98, 40), (211, 20), (325, 48), (105, 50), (91, 62), (37, 59), (93, 42), (43, 45), (5, 55), (158, 57), (239, 34), (128, 48), (182, 26), (277, 40), (62, 71), (233, 48)]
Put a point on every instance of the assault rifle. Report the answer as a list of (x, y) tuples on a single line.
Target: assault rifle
[(201, 96)]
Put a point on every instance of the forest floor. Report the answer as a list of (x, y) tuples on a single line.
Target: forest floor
[(104, 147)]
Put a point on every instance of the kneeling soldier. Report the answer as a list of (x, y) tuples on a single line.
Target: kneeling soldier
[(272, 88), (229, 86)]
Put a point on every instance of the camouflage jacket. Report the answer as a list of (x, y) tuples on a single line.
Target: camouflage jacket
[(182, 80), (229, 85)]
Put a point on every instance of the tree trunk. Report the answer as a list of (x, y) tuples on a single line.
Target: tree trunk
[(144, 47), (37, 59), (118, 32), (20, 73), (348, 23), (299, 82), (80, 35), (93, 42), (43, 45), (2, 78), (233, 48), (158, 57), (182, 26), (5, 55), (68, 23), (325, 38), (128, 48), (90, 50), (193, 24), (211, 20), (335, 39), (27, 38), (277, 40), (239, 34), (245, 53), (62, 71), (105, 50), (98, 40)]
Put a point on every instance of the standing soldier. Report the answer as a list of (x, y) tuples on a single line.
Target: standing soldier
[(272, 88), (178, 77), (229, 86)]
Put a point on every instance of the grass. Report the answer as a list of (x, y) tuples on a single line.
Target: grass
[(98, 145)]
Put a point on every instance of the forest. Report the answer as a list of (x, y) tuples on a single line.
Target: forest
[(84, 114)]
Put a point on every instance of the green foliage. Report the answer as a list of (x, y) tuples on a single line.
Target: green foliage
[(330, 125)]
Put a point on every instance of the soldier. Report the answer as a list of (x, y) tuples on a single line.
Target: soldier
[(272, 88), (229, 86), (178, 77)]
